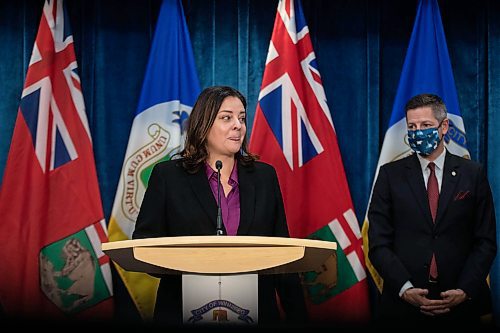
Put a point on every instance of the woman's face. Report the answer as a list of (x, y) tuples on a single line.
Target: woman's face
[(228, 130)]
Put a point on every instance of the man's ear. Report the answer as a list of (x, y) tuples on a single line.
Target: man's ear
[(445, 126)]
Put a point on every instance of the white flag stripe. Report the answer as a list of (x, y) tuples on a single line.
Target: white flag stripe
[(352, 220), (160, 117), (395, 144), (272, 53), (106, 273), (96, 245), (104, 226), (356, 265), (95, 240), (339, 234)]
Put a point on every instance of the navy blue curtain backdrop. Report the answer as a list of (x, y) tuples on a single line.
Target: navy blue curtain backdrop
[(359, 44)]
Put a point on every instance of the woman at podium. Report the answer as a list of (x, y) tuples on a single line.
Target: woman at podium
[(215, 186)]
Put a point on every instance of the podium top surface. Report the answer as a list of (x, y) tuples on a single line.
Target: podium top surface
[(220, 254), (215, 241)]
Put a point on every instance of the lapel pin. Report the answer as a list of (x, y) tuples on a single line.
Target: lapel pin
[(453, 173)]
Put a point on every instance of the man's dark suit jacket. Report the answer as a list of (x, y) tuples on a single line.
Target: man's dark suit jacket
[(177, 203), (402, 235)]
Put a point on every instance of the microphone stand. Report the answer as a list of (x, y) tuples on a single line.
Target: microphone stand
[(219, 231)]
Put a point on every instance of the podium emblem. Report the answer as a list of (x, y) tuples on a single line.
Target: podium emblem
[(219, 313)]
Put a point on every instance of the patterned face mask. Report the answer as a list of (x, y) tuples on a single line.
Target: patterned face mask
[(424, 142)]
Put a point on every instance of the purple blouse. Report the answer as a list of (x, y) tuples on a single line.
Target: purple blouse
[(230, 205)]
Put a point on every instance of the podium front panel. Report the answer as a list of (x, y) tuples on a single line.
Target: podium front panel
[(212, 299)]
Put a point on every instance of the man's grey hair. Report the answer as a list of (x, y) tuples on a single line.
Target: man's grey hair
[(433, 101)]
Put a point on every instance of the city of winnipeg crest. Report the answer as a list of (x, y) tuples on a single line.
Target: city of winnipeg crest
[(219, 312), (70, 274)]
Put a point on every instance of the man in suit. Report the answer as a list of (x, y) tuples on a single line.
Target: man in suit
[(432, 228), (181, 200)]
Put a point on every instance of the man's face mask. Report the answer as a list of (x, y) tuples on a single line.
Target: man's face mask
[(424, 141)]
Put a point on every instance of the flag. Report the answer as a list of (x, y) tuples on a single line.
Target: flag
[(52, 221), (426, 69), (293, 130), (168, 93)]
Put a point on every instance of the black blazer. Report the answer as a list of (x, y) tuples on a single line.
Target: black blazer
[(402, 235), (177, 203)]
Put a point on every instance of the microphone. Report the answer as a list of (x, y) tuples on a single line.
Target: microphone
[(219, 231)]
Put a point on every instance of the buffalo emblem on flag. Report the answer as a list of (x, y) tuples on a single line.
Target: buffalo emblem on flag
[(70, 274)]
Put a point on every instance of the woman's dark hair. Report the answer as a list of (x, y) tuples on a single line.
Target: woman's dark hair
[(201, 120)]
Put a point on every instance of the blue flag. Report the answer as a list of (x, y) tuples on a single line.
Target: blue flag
[(171, 71), (427, 69), (168, 93)]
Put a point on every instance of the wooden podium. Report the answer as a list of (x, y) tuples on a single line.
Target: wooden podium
[(221, 254), (219, 273)]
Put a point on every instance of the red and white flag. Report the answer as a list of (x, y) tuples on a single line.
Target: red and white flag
[(293, 130), (52, 222)]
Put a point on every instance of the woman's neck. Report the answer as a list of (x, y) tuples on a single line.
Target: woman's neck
[(227, 164)]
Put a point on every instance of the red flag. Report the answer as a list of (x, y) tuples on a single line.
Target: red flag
[(52, 221), (293, 130)]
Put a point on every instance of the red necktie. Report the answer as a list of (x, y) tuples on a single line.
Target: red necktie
[(433, 195)]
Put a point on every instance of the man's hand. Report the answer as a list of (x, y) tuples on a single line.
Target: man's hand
[(454, 297), (434, 307), (418, 298), (415, 296), (450, 298)]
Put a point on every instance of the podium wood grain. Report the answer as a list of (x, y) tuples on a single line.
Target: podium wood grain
[(221, 254)]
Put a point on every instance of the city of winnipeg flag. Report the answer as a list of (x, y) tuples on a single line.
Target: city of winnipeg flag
[(426, 69), (169, 91), (293, 130), (52, 223)]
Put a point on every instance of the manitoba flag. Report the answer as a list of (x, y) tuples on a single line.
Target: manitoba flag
[(52, 222), (293, 130)]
